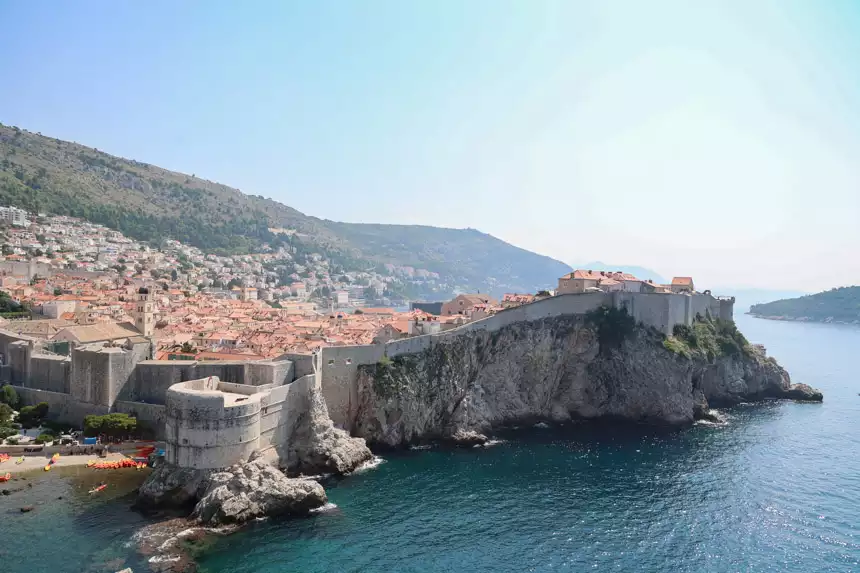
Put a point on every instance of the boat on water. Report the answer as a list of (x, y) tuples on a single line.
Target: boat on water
[(47, 468), (98, 488)]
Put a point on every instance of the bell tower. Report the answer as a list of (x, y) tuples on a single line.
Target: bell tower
[(144, 312)]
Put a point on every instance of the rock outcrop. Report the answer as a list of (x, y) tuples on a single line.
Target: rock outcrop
[(555, 369), (467, 438), (255, 489), (232, 495), (315, 446), (171, 486)]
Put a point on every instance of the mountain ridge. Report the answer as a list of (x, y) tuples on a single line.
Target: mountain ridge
[(149, 203)]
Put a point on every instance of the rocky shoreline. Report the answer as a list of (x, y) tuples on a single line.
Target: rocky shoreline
[(556, 370)]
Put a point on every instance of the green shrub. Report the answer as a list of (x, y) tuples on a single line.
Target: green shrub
[(613, 326), (6, 431), (32, 416), (677, 345), (9, 396), (707, 339), (12, 442), (5, 414), (44, 438)]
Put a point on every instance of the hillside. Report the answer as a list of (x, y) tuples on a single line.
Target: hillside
[(836, 305), (146, 202)]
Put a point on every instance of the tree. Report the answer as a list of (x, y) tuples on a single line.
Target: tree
[(187, 348), (9, 396), (174, 275), (58, 291), (32, 416), (38, 252), (112, 425), (5, 414)]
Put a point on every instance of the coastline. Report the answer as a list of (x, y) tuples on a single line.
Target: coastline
[(34, 463), (803, 319)]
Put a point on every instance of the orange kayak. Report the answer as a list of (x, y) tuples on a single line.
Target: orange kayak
[(6, 477)]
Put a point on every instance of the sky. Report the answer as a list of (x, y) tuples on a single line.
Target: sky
[(713, 139)]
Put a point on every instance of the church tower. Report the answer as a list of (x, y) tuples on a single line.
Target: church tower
[(144, 312)]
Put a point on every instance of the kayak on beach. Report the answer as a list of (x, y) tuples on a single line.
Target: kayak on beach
[(6, 477)]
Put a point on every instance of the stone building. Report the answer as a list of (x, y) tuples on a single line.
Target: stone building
[(464, 303), (682, 284), (144, 312)]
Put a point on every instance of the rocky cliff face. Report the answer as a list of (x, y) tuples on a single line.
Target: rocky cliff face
[(554, 369), (314, 445)]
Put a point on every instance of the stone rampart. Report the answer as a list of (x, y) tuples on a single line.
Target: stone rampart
[(153, 415), (49, 372), (207, 428), (340, 364)]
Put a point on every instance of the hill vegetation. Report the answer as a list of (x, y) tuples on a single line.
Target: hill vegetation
[(835, 305), (148, 203)]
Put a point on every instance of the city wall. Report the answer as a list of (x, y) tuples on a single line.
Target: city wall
[(662, 311), (212, 412)]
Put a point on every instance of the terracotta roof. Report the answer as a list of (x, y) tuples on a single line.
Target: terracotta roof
[(682, 281), (97, 332)]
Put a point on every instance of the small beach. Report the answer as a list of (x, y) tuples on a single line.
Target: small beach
[(32, 463)]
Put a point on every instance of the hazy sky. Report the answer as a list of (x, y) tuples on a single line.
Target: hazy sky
[(718, 139)]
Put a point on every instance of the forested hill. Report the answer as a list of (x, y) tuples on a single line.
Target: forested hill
[(43, 174), (836, 305)]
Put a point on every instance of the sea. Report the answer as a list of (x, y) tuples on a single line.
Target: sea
[(774, 489)]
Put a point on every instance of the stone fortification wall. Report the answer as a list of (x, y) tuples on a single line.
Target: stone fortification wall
[(153, 415), (61, 406), (269, 373), (340, 364), (727, 308), (152, 378), (90, 376), (226, 371), (49, 372), (206, 428), (275, 412), (303, 364), (19, 362), (7, 338)]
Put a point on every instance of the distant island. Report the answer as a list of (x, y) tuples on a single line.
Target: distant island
[(841, 305)]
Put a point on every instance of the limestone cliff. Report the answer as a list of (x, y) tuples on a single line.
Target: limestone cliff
[(315, 446), (562, 368)]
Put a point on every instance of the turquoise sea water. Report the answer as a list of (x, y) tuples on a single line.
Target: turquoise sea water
[(777, 489)]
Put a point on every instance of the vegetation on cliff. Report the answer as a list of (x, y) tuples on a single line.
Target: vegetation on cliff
[(707, 339), (613, 326), (835, 305), (148, 203)]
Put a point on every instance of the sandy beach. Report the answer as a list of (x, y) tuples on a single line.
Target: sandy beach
[(38, 462)]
